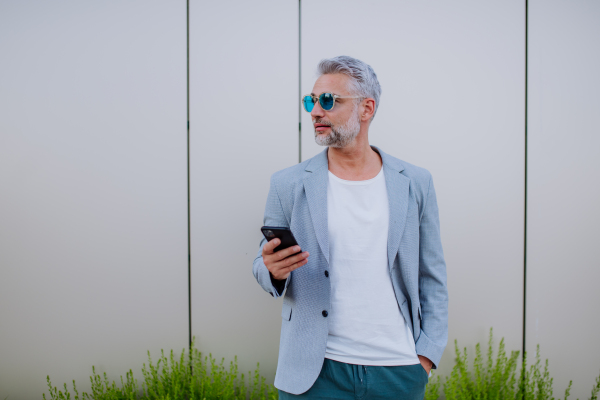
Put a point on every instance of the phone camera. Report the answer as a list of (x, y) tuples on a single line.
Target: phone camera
[(269, 234)]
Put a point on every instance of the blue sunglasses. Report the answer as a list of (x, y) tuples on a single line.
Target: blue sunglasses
[(326, 101)]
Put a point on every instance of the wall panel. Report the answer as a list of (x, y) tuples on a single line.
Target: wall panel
[(452, 77), (244, 127), (93, 224), (564, 194)]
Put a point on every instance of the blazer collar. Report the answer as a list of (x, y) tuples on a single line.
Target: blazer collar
[(318, 161), (389, 161), (321, 160), (397, 185)]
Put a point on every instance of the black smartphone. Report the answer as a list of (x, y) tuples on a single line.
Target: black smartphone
[(284, 234)]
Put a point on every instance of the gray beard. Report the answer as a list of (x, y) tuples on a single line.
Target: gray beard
[(340, 137)]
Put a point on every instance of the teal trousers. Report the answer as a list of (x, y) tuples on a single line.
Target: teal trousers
[(339, 380)]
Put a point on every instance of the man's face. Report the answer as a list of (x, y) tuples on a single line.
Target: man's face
[(339, 126)]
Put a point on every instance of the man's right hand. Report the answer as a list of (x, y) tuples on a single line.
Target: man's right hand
[(282, 263)]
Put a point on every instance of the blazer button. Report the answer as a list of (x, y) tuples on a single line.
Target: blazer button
[(327, 274), (324, 313)]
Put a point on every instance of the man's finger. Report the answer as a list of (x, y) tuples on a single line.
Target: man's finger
[(296, 265), (285, 253), (291, 260), (270, 246)]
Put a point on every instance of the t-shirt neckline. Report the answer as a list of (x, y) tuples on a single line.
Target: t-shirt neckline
[(365, 182)]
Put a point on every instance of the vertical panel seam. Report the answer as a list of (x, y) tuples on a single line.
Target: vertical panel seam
[(525, 199), (299, 81), (188, 175)]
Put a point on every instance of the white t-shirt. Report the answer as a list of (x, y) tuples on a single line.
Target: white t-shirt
[(366, 326)]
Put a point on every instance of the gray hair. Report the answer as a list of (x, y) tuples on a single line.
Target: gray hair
[(363, 81)]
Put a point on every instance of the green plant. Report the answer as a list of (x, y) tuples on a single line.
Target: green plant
[(486, 381), (497, 380), (595, 389), (171, 378), (433, 388), (197, 377)]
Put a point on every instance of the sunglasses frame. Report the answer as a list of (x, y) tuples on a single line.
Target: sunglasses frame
[(335, 97)]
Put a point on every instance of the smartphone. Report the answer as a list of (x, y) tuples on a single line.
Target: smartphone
[(284, 234)]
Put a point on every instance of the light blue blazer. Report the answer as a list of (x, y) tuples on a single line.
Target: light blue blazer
[(298, 199)]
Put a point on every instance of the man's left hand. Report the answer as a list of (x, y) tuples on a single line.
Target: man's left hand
[(426, 363)]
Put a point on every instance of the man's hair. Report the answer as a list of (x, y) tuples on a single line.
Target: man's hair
[(363, 81)]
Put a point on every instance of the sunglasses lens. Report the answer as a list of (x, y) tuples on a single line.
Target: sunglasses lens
[(326, 101), (308, 103)]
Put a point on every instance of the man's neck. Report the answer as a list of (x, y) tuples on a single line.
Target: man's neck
[(355, 162)]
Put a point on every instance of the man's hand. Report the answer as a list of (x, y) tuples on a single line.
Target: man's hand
[(426, 363), (282, 263)]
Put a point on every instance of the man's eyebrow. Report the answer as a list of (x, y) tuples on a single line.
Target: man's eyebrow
[(312, 94)]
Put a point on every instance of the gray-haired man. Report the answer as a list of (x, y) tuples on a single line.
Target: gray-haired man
[(365, 309)]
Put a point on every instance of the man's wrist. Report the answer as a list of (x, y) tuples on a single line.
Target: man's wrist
[(425, 362), (275, 279)]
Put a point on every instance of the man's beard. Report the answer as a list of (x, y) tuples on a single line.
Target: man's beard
[(339, 136)]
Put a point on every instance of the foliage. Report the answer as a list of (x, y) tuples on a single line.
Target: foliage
[(194, 377), (497, 380), (190, 378), (595, 389)]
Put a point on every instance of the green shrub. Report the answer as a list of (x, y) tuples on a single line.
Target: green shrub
[(194, 377), (497, 380), (171, 378)]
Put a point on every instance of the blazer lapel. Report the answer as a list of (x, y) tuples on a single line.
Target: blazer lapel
[(315, 186), (397, 185), (397, 190)]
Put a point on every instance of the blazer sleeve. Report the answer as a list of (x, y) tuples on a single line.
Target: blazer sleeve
[(433, 291), (274, 216)]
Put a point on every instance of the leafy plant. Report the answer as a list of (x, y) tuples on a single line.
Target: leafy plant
[(197, 377), (497, 380), (595, 389), (190, 378)]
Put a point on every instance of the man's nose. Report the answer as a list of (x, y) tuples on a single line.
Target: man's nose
[(317, 111)]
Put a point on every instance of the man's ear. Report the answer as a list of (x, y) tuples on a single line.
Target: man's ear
[(368, 109)]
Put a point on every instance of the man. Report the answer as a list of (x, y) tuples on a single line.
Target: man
[(365, 309)]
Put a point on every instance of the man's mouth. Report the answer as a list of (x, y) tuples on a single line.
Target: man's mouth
[(321, 127)]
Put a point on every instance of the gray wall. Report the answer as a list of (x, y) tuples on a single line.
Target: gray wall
[(93, 208), (93, 204), (563, 270)]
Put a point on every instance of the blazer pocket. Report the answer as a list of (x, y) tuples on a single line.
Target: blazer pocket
[(286, 311)]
